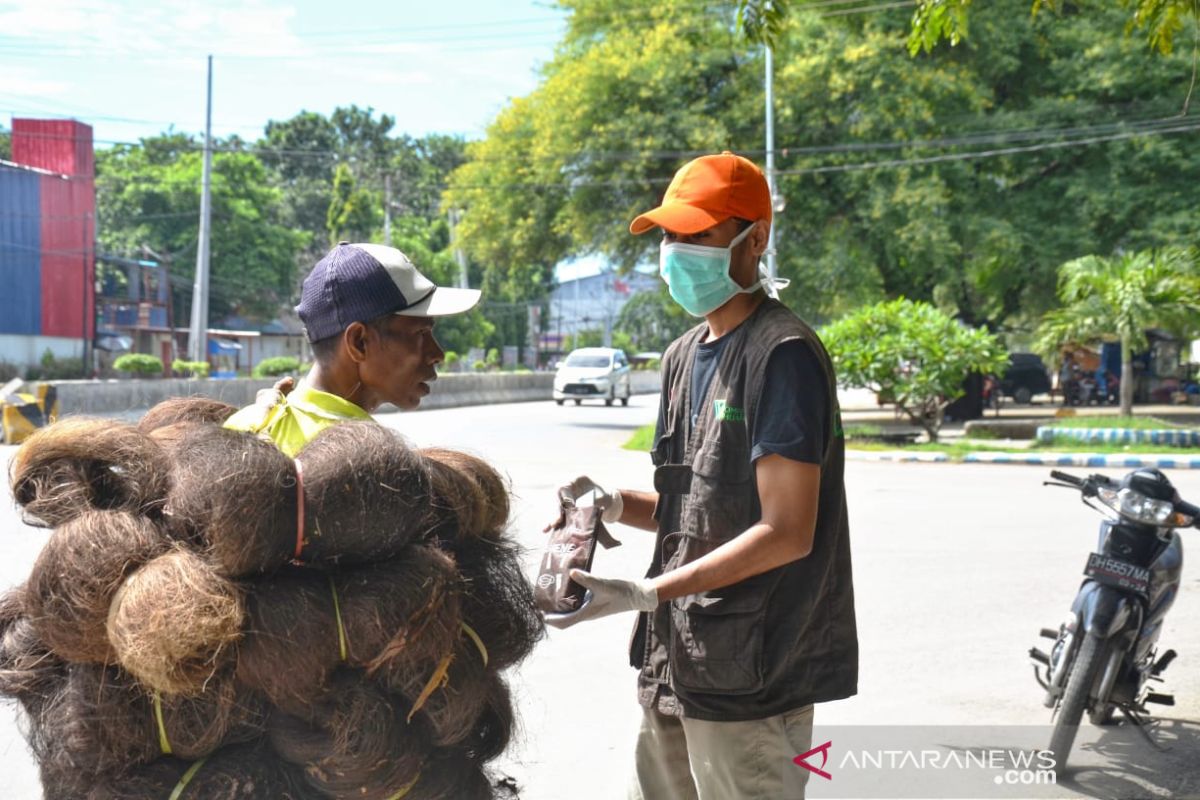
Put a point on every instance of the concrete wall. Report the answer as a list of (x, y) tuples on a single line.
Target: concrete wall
[(26, 351), (449, 391)]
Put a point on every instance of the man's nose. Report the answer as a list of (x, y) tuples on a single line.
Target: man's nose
[(436, 353)]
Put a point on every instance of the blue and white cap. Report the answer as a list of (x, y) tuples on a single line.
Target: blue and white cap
[(359, 282)]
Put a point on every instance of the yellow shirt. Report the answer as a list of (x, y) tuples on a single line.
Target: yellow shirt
[(294, 420)]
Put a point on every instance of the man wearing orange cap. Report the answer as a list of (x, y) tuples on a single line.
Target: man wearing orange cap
[(747, 609)]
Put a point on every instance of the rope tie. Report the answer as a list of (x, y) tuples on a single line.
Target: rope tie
[(164, 743), (337, 614), (299, 510), (186, 779), (439, 678), (469, 631)]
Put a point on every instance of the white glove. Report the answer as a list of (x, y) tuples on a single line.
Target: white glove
[(611, 505), (608, 596)]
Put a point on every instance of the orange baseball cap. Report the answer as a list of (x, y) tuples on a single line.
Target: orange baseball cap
[(709, 190)]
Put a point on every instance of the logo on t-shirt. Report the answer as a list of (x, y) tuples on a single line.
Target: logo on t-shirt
[(727, 413)]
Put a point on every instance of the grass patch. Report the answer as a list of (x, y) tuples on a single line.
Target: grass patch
[(1133, 423), (641, 440)]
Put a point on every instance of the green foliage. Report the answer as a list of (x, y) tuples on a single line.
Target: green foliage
[(150, 194), (354, 213), (762, 20), (493, 358), (52, 368), (8, 371), (139, 364), (641, 440), (5, 144), (1118, 298), (1162, 20), (451, 360), (913, 354), (193, 369), (278, 365), (479, 365)]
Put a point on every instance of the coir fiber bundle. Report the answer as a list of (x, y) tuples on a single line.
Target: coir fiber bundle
[(175, 621), (290, 645), (449, 774), (185, 409), (367, 495), (359, 746), (456, 702), (240, 772), (471, 489), (78, 572), (78, 464), (102, 722), (497, 601), (235, 493), (400, 612), (29, 672)]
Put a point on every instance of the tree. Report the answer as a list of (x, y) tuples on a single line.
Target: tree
[(5, 144), (963, 178), (353, 211), (653, 320), (912, 354), (149, 194), (1118, 298)]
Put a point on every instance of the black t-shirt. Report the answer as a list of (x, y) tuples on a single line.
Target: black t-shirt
[(794, 408)]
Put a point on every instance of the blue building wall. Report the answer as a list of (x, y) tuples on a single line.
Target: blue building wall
[(20, 252)]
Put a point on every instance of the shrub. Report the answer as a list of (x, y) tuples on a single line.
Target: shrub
[(53, 368), (274, 367), (195, 369), (139, 364), (479, 366), (8, 371), (451, 360)]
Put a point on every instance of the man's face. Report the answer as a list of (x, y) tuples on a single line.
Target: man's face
[(401, 360), (743, 265)]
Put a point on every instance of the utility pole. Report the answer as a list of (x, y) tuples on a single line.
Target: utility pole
[(387, 209), (198, 336), (459, 255), (770, 92)]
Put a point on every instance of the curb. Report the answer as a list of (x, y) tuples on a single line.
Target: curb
[(1046, 460), (1183, 437)]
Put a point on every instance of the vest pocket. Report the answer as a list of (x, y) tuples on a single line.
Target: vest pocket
[(716, 641)]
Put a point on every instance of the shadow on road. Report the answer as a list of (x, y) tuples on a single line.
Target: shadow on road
[(1133, 768), (616, 426)]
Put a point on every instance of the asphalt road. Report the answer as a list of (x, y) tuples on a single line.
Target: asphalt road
[(956, 568)]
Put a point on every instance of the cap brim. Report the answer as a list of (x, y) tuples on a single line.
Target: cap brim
[(443, 301), (675, 217)]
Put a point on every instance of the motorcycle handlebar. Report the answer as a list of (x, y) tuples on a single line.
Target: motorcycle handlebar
[(1065, 478)]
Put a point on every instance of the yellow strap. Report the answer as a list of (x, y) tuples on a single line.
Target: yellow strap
[(438, 678), (186, 779), (478, 642), (164, 743), (406, 788), (337, 613)]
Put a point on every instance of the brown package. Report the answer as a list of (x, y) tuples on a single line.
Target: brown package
[(572, 545)]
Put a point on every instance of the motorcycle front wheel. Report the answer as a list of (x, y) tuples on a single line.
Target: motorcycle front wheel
[(1079, 684)]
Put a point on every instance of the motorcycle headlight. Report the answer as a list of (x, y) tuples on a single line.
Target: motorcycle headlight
[(1136, 506)]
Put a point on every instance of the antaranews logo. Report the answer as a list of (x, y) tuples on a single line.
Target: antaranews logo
[(801, 760)]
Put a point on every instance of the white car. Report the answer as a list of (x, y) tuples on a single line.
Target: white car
[(593, 373)]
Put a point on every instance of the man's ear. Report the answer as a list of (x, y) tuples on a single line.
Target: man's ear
[(354, 341), (759, 238)]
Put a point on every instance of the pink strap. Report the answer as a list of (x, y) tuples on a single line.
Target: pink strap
[(299, 510)]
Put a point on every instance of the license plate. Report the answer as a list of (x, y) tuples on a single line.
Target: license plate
[(1115, 572)]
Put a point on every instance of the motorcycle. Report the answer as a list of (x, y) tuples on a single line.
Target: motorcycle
[(1105, 655)]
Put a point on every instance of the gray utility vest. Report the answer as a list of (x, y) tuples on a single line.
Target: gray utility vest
[(776, 641)]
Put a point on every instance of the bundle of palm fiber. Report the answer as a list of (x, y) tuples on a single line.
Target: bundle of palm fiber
[(455, 702), (29, 672), (366, 495), (235, 494), (471, 489), (174, 622), (497, 600), (174, 410), (239, 772), (78, 464), (102, 722), (79, 570), (358, 744)]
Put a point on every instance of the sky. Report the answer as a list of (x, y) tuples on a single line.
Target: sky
[(133, 68)]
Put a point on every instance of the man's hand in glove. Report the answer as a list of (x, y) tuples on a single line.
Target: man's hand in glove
[(609, 596), (611, 505)]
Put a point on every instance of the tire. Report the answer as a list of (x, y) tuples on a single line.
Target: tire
[(1102, 716), (1079, 684), (624, 401), (578, 402), (560, 402), (1022, 396), (612, 394)]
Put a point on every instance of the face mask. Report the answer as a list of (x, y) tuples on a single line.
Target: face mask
[(698, 276)]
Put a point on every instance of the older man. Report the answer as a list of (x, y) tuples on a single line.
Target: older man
[(369, 315)]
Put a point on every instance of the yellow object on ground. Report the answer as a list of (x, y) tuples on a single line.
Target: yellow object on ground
[(22, 413)]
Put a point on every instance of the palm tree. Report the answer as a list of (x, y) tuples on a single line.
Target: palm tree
[(1118, 298)]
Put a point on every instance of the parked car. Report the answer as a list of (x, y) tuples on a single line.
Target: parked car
[(593, 373), (1025, 376)]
